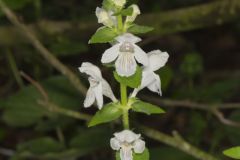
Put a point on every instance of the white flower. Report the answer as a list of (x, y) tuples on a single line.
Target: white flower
[(151, 80), (126, 51), (105, 17), (136, 12), (119, 3), (98, 86), (126, 141)]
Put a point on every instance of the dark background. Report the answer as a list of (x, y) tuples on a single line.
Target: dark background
[(201, 37)]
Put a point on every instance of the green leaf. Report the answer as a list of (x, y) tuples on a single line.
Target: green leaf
[(103, 35), (133, 81), (108, 113), (108, 5), (125, 12), (80, 145), (66, 47), (22, 109), (137, 29), (233, 152), (143, 156), (41, 146), (169, 153), (192, 65), (147, 108), (16, 4), (85, 138)]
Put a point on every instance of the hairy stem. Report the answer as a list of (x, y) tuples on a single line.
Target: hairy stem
[(125, 117), (123, 94)]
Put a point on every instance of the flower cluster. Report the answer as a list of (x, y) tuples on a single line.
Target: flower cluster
[(127, 58)]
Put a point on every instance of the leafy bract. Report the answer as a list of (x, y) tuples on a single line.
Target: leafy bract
[(133, 81), (138, 29), (147, 108), (103, 35), (233, 152), (108, 113)]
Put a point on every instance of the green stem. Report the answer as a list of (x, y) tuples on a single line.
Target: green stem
[(125, 119), (120, 23), (123, 94), (125, 116)]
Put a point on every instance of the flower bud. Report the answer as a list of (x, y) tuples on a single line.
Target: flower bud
[(104, 17), (136, 12), (119, 3)]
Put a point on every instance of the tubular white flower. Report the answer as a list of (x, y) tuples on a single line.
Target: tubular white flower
[(98, 86), (105, 17), (151, 80), (127, 142), (136, 12), (127, 53)]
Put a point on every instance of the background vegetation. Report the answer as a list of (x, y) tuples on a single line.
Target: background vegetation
[(201, 82)]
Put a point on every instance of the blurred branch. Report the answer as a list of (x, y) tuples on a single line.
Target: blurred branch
[(36, 85), (176, 141), (190, 104), (42, 50), (60, 110), (184, 19), (212, 108), (51, 107), (6, 152), (196, 17)]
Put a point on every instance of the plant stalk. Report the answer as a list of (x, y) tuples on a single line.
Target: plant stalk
[(125, 116)]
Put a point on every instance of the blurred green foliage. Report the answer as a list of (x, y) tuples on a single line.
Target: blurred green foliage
[(34, 131)]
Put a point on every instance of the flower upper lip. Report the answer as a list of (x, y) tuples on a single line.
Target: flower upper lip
[(151, 80), (98, 86)]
